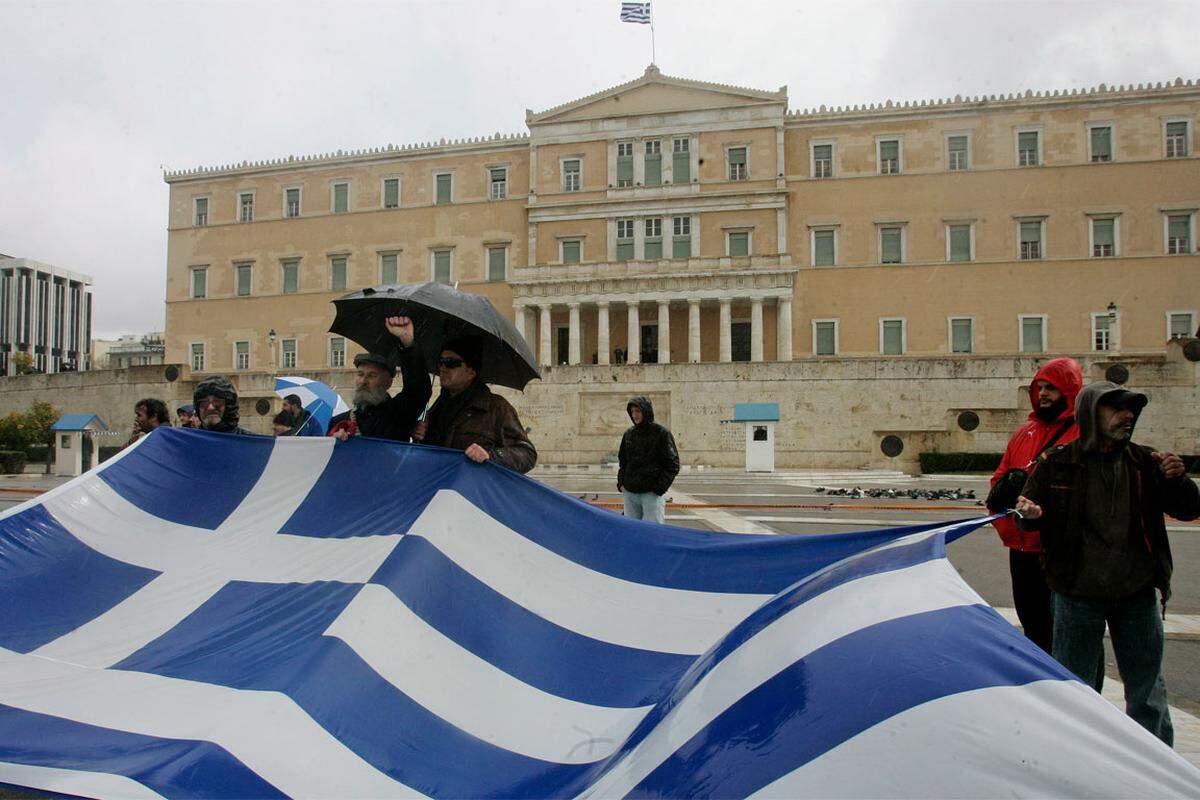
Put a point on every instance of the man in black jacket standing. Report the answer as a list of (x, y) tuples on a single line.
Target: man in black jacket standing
[(1099, 503), (376, 412), (649, 463)]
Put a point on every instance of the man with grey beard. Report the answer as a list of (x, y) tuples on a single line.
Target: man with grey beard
[(376, 413)]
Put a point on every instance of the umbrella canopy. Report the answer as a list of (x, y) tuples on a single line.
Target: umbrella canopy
[(319, 400), (439, 313)]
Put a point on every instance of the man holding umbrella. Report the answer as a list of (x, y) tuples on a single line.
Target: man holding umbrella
[(375, 412), (467, 416)]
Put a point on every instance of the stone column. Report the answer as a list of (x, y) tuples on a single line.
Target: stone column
[(635, 334), (544, 334), (602, 344), (664, 332), (573, 334), (756, 329), (726, 330), (693, 331), (523, 323), (783, 330)]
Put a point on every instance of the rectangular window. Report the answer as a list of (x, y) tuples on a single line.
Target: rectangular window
[(737, 163), (824, 244), (1101, 324), (341, 198), (291, 203), (1033, 335), (825, 337), (891, 248), (889, 156), (624, 164), (1027, 149), (201, 216), (957, 158), (291, 277), (337, 351), (571, 174), (1180, 325), (243, 280), (198, 357), (653, 162), (739, 243), (246, 207), (497, 263), (241, 355), (891, 337), (441, 266), (1100, 141), (389, 268), (1031, 240), (445, 188), (1179, 234), (822, 158), (624, 240), (1177, 139), (497, 183), (681, 160), (653, 244), (741, 346), (572, 251), (681, 243), (959, 242), (337, 273), (391, 193), (287, 353), (200, 283), (962, 335), (1103, 238)]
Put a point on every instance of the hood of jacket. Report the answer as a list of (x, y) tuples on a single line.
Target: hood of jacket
[(1066, 376), (219, 386), (642, 402), (1086, 415)]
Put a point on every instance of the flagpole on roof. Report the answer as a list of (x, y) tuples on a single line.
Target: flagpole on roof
[(653, 58)]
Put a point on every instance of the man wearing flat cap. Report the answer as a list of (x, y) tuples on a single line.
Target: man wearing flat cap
[(1099, 503), (375, 412)]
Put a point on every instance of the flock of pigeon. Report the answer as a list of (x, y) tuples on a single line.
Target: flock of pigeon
[(892, 494)]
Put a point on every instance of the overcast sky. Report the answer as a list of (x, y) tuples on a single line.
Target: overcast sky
[(98, 97)]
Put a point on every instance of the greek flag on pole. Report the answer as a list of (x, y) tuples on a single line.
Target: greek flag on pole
[(211, 615), (635, 12)]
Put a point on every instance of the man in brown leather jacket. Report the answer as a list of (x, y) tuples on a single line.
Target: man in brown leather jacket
[(468, 417)]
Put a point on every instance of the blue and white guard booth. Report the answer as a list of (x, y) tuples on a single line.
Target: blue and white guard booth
[(75, 450), (759, 419)]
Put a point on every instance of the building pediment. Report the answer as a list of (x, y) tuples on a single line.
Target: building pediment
[(655, 93)]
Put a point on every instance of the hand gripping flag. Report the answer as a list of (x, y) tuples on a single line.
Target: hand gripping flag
[(213, 615)]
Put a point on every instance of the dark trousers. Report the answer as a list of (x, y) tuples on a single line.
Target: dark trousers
[(1031, 597), (1137, 640)]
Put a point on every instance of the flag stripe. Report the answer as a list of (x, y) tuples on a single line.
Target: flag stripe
[(73, 782)]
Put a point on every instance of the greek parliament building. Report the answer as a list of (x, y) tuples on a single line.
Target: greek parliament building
[(668, 221), (46, 313)]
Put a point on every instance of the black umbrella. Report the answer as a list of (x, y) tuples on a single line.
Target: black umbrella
[(439, 313)]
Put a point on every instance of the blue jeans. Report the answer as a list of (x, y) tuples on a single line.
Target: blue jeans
[(1137, 638), (645, 505)]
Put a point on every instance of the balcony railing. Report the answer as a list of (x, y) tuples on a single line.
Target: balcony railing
[(615, 269)]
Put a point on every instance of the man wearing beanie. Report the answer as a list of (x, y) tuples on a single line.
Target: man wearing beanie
[(1099, 503), (468, 417), (216, 404)]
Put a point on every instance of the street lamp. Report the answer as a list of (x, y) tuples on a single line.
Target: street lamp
[(271, 338), (1114, 326)]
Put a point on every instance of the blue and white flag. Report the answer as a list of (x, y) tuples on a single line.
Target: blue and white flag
[(320, 401), (210, 615), (635, 12)]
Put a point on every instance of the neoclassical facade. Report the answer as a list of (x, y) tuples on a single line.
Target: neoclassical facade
[(669, 220)]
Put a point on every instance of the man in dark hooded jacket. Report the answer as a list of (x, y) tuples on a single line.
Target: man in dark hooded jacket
[(216, 404), (1099, 503), (648, 461)]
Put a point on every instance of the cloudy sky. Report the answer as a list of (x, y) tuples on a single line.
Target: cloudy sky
[(98, 97)]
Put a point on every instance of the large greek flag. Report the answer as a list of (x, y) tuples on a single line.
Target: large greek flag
[(210, 615)]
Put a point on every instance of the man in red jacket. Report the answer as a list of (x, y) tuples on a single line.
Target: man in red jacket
[(1052, 394)]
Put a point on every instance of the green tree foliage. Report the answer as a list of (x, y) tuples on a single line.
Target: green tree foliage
[(20, 429)]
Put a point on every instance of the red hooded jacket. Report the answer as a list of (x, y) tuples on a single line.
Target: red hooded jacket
[(1030, 438)]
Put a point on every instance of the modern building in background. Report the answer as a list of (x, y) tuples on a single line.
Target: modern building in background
[(46, 314), (130, 350), (671, 220)]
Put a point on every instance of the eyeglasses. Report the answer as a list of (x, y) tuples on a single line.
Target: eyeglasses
[(449, 362)]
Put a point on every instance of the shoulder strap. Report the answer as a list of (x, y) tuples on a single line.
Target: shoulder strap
[(1058, 434)]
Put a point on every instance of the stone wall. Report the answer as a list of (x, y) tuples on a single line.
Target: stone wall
[(833, 412)]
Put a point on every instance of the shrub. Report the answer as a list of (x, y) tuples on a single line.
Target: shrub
[(37, 453), (108, 452), (959, 462), (12, 462)]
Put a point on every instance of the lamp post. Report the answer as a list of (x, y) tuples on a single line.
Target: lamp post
[(1114, 328), (271, 339)]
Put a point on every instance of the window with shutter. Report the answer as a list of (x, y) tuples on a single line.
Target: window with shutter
[(624, 164), (1027, 149), (571, 175), (291, 277), (653, 162), (337, 273), (287, 354), (1103, 238), (441, 266), (893, 337), (201, 211), (444, 188), (199, 282), (653, 243), (1101, 143), (1177, 143), (739, 243), (198, 357), (391, 193), (241, 351), (1101, 327), (498, 183), (681, 160), (243, 280), (890, 249), (1031, 240), (1179, 326), (682, 239), (737, 163), (389, 268), (572, 251), (1178, 234), (824, 248), (291, 203), (1033, 337), (822, 161), (825, 338), (889, 156), (497, 263), (337, 351), (246, 207), (624, 240), (957, 159), (961, 335), (341, 198), (960, 242)]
